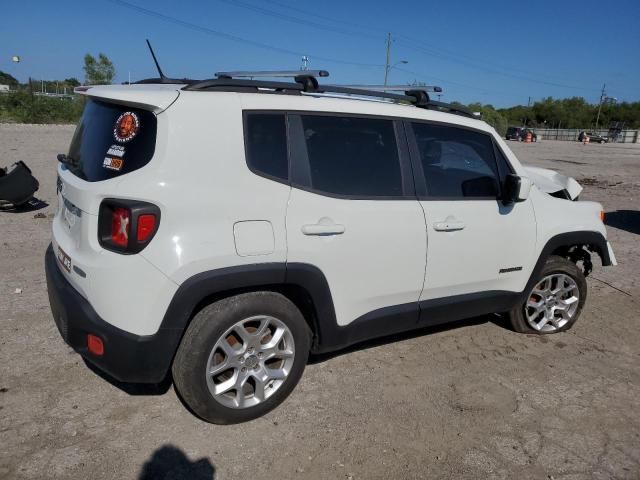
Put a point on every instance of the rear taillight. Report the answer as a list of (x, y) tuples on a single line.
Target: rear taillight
[(127, 226), (120, 226), (146, 226)]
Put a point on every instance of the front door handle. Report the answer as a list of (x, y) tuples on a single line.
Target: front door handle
[(449, 225), (325, 226)]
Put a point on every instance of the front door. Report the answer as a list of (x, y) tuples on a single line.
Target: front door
[(479, 250)]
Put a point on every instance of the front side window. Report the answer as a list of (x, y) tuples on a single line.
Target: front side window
[(456, 162), (352, 156), (266, 144)]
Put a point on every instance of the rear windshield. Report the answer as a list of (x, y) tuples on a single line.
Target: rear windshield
[(111, 140)]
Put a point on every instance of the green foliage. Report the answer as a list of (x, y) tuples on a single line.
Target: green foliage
[(572, 113), (72, 82), (6, 79), (22, 107), (100, 71), (492, 116)]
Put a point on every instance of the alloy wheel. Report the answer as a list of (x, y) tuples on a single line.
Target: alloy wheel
[(250, 361), (552, 303)]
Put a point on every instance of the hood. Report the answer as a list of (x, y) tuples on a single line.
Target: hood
[(550, 181)]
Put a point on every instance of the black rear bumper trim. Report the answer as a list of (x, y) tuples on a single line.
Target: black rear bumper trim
[(127, 357)]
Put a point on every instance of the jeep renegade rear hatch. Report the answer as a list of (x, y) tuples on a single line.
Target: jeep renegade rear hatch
[(111, 140)]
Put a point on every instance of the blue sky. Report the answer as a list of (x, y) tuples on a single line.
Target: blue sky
[(498, 52)]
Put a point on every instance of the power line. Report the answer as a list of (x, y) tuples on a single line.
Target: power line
[(300, 21), (234, 38), (431, 53), (408, 42), (334, 20), (452, 82)]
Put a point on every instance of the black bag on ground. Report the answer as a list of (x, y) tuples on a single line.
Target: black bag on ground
[(17, 185)]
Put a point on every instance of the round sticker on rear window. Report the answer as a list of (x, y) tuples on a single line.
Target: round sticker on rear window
[(126, 127)]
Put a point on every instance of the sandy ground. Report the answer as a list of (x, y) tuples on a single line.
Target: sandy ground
[(472, 401)]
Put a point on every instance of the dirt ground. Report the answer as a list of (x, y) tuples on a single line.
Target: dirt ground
[(471, 401)]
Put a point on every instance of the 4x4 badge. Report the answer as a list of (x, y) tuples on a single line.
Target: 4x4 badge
[(126, 127)]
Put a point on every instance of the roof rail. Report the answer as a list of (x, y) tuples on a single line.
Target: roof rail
[(272, 73), (395, 88), (306, 83)]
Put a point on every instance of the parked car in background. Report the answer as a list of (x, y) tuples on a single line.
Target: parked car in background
[(593, 137), (520, 134)]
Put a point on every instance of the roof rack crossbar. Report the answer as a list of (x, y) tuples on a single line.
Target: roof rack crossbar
[(272, 73)]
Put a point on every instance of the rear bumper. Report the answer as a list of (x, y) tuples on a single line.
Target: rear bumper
[(127, 357)]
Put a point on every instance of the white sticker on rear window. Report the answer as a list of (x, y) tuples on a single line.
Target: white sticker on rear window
[(113, 163), (116, 151)]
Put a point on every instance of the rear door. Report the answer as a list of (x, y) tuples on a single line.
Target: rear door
[(353, 214), (478, 248)]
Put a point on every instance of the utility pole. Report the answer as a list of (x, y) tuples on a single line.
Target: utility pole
[(32, 103), (388, 63), (602, 97)]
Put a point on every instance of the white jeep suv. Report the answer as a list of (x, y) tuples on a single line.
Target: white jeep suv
[(217, 232)]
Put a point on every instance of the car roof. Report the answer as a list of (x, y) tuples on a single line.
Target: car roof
[(158, 97)]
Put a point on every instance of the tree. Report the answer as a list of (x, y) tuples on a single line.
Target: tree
[(6, 79), (72, 82), (100, 71)]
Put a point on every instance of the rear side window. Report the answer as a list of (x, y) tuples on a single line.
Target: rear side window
[(456, 162), (352, 156), (266, 144), (111, 140)]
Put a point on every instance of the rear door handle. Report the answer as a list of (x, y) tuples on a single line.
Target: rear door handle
[(449, 225), (324, 227)]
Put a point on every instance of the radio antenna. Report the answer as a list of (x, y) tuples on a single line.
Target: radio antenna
[(162, 77)]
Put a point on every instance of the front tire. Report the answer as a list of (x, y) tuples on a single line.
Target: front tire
[(241, 357), (555, 302)]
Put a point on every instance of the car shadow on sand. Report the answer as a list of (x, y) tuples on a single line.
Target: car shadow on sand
[(32, 205), (136, 389), (169, 462), (420, 332), (628, 220)]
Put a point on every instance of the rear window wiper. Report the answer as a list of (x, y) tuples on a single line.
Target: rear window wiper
[(62, 158)]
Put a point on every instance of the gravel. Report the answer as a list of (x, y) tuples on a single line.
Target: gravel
[(472, 400)]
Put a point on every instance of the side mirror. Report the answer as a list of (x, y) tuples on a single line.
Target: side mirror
[(515, 189)]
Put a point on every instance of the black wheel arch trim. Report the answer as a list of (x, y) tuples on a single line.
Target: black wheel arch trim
[(328, 335), (595, 241), (205, 287)]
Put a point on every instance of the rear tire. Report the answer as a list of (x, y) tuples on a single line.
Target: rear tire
[(555, 302), (241, 357)]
